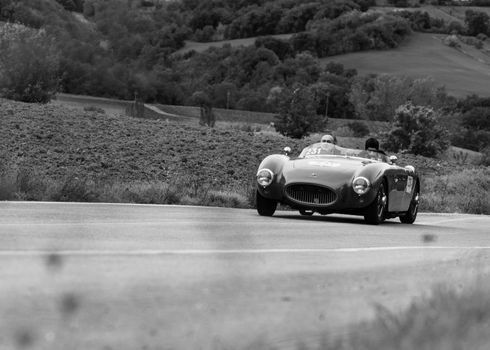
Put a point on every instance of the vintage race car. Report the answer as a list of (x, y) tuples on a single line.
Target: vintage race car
[(326, 178)]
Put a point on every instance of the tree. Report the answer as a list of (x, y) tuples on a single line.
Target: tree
[(477, 22), (29, 64), (224, 95), (416, 129), (204, 102), (297, 117), (377, 97)]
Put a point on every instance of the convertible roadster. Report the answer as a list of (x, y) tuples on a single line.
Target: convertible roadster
[(326, 178)]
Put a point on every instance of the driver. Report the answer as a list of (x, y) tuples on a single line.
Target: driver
[(371, 144), (329, 139), (371, 149)]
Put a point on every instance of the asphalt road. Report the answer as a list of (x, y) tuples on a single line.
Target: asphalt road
[(102, 276)]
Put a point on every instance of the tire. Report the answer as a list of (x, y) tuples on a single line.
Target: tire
[(306, 212), (376, 211), (265, 206), (411, 214)]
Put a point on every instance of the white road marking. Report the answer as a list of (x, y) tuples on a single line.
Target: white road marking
[(143, 252), (452, 219)]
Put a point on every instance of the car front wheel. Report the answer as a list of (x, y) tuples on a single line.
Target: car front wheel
[(376, 211), (411, 214), (265, 206)]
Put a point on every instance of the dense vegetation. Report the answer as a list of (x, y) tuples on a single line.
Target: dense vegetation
[(116, 49), (122, 49), (28, 64), (417, 129)]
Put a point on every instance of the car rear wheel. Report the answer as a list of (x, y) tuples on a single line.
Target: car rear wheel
[(376, 211), (411, 214), (265, 206)]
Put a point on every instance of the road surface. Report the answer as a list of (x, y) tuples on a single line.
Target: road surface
[(105, 276)]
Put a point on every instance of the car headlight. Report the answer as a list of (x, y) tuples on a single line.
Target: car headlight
[(264, 177), (361, 185)]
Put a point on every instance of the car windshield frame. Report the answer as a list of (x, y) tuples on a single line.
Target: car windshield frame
[(325, 149)]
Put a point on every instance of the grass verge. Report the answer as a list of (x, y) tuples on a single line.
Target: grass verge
[(25, 184), (466, 191), (445, 320)]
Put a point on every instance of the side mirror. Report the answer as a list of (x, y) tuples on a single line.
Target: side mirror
[(287, 151), (393, 159)]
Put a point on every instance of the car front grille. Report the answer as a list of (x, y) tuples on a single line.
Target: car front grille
[(311, 194)]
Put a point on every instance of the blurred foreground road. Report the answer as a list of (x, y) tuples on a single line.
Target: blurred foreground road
[(102, 276)]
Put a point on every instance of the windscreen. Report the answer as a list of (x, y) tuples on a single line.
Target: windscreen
[(328, 149)]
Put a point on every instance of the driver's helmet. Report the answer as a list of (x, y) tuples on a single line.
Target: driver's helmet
[(371, 144), (328, 139)]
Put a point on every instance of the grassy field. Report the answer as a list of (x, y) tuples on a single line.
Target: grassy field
[(426, 55), (110, 106), (463, 71), (447, 13), (199, 47), (458, 12)]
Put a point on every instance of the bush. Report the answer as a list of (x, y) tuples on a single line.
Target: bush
[(416, 129), (455, 28), (482, 37), (28, 64), (452, 41), (485, 161), (359, 129)]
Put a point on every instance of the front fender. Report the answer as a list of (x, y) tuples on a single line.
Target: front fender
[(274, 163), (375, 173)]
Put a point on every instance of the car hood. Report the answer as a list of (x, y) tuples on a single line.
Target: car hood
[(331, 171)]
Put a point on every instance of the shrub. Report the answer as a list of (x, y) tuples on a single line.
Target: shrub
[(28, 64), (482, 37), (485, 161), (225, 199), (359, 129), (7, 187), (455, 27), (452, 41), (416, 129), (74, 189)]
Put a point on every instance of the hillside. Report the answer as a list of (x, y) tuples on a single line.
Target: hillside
[(57, 141), (425, 54)]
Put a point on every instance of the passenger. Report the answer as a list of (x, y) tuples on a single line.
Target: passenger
[(371, 144)]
